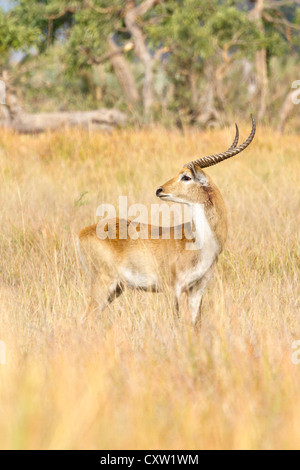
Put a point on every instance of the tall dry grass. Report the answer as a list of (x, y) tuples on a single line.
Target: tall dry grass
[(135, 379)]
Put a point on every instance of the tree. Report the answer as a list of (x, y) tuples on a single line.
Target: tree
[(278, 34), (185, 57), (118, 22), (203, 38), (96, 31)]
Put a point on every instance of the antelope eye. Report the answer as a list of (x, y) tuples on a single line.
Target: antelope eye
[(186, 178)]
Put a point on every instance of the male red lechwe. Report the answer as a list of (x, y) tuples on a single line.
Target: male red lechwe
[(184, 261)]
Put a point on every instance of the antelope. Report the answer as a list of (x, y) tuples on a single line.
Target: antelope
[(151, 264)]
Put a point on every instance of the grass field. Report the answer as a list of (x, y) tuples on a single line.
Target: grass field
[(135, 379)]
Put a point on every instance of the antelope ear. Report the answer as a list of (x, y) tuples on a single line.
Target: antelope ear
[(191, 168), (201, 178)]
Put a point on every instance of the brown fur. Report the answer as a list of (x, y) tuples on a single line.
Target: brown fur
[(154, 263)]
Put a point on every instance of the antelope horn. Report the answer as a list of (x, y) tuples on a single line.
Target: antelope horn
[(231, 152), (236, 139)]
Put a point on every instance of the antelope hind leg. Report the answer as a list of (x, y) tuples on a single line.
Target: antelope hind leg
[(99, 300)]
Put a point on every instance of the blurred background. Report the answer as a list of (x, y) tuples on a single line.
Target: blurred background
[(176, 74), (175, 62)]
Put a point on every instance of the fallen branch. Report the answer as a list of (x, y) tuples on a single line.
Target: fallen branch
[(98, 119)]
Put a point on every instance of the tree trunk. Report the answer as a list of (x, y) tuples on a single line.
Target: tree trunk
[(123, 73), (208, 115), (131, 15), (261, 60), (261, 67), (194, 90)]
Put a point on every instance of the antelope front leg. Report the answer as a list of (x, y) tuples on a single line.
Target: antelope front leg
[(188, 300), (195, 295)]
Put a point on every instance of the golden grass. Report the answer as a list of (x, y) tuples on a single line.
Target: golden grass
[(135, 379)]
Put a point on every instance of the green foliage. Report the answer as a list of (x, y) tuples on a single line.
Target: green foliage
[(198, 38), (231, 27), (15, 35), (196, 32), (183, 28), (92, 26)]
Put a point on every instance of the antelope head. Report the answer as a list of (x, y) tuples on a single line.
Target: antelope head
[(192, 184)]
